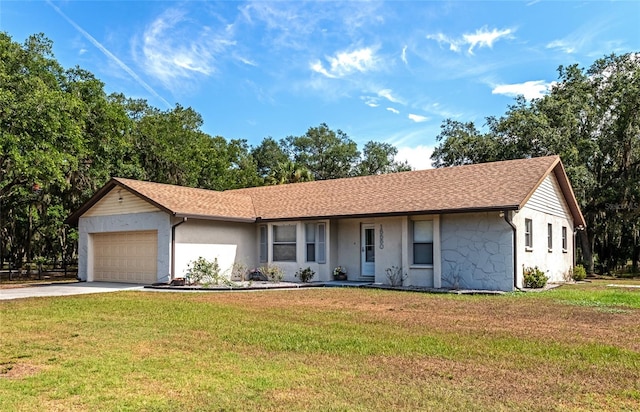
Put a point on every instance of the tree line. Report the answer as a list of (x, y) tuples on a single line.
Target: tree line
[(62, 137), (591, 118)]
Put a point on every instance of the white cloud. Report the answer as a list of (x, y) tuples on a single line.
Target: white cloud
[(484, 38), (370, 101), (173, 48), (345, 63), (533, 89), (418, 157), (454, 45), (404, 55), (387, 94), (417, 118), (481, 38), (563, 45), (392, 110)]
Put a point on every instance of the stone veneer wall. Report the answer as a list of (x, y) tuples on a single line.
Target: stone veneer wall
[(477, 252)]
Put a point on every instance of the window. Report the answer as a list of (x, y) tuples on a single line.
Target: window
[(284, 243), (423, 242), (549, 237), (310, 239), (320, 255), (263, 244), (315, 242), (564, 238), (528, 233)]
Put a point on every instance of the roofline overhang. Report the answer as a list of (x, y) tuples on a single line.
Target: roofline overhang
[(394, 214), (557, 168), (217, 218), (74, 218)]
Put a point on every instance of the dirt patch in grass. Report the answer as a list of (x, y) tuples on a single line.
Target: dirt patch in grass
[(12, 370)]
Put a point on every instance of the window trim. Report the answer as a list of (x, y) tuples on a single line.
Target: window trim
[(565, 240), (550, 237), (307, 243), (263, 254), (414, 243), (528, 234), (277, 243)]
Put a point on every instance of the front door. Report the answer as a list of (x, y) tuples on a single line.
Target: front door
[(368, 250)]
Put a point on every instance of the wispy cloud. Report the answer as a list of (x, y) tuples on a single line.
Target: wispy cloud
[(388, 94), (173, 49), (588, 36), (392, 110), (482, 37), (345, 63), (370, 101), (403, 56), (533, 89), (417, 118), (110, 55)]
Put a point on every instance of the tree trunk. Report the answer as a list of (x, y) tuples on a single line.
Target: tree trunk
[(586, 243)]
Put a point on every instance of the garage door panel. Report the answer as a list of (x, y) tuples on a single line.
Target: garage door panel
[(125, 256)]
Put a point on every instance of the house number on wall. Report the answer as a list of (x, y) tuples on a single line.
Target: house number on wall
[(381, 238)]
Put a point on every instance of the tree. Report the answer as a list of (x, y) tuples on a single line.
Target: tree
[(591, 118), (326, 153), (379, 158), (41, 126), (268, 155), (289, 172)]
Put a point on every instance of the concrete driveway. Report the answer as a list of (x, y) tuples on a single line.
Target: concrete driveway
[(65, 289)]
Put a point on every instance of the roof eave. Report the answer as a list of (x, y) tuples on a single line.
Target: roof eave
[(500, 208)]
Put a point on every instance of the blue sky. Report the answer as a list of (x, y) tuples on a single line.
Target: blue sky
[(385, 71)]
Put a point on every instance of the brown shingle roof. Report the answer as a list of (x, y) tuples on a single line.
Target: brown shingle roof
[(503, 185), (189, 201)]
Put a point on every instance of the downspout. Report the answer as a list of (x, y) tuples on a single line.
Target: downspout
[(507, 218), (173, 247)]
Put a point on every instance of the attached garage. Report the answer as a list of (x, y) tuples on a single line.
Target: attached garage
[(130, 257)]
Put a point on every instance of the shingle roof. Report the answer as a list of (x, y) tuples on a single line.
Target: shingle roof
[(189, 201), (505, 185)]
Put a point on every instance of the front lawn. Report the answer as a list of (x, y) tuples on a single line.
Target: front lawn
[(573, 348)]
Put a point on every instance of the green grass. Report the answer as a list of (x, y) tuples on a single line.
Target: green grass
[(330, 349)]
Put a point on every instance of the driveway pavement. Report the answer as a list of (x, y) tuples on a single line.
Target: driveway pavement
[(65, 289)]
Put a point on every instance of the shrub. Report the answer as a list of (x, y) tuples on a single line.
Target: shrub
[(395, 275), (305, 275), (203, 271), (579, 273), (534, 278), (273, 272)]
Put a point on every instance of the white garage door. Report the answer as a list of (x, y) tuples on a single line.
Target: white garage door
[(130, 257)]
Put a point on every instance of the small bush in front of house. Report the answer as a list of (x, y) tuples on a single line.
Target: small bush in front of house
[(305, 275), (274, 273), (203, 271), (534, 278), (395, 275), (579, 273)]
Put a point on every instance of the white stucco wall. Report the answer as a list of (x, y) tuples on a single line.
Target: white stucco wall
[(122, 223), (228, 242), (546, 205), (476, 251)]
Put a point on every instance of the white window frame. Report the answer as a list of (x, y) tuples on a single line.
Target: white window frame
[(414, 243), (528, 234), (565, 241), (263, 234), (550, 237), (318, 241), (275, 243)]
